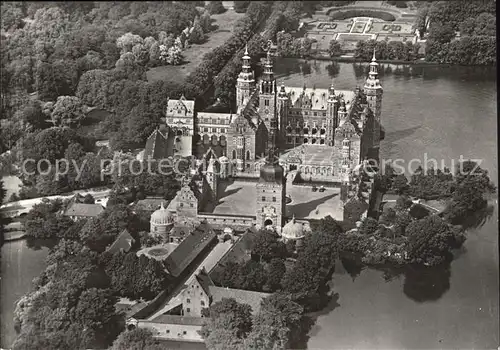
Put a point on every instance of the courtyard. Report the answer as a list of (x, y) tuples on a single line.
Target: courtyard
[(238, 197)]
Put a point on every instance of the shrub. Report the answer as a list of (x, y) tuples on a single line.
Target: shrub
[(340, 15)]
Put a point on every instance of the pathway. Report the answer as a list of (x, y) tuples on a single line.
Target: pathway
[(25, 205)]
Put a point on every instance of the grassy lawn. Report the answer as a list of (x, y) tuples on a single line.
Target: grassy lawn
[(193, 55)]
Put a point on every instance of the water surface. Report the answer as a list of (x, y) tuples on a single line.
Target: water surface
[(434, 112)]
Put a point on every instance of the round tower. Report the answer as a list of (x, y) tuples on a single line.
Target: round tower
[(161, 222)]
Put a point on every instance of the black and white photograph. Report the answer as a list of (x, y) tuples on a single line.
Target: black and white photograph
[(261, 175)]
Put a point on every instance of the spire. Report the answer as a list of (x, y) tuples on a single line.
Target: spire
[(162, 206), (373, 58), (246, 56)]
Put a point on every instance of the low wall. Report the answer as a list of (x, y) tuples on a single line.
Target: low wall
[(152, 306), (168, 331), (221, 221)]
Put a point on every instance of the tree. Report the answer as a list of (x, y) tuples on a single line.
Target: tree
[(136, 339), (335, 49), (266, 245), (33, 115), (277, 319), (241, 6), (403, 203), (326, 225), (196, 35), (95, 308), (369, 226), (431, 239), (215, 7), (275, 271), (206, 22), (68, 111), (127, 41), (403, 219), (400, 184), (472, 184), (88, 199), (388, 217), (2, 197), (441, 32), (228, 323)]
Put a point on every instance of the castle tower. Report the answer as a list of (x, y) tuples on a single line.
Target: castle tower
[(246, 82), (331, 115), (342, 113), (282, 107), (373, 91), (271, 191), (267, 96), (212, 174)]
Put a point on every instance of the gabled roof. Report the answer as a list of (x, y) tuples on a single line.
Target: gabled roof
[(316, 97), (186, 105), (240, 295), (189, 249), (84, 210), (123, 242), (158, 146), (182, 320)]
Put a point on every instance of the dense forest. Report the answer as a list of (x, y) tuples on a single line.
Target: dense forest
[(474, 21)]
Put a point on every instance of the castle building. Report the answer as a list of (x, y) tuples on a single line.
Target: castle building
[(321, 133)]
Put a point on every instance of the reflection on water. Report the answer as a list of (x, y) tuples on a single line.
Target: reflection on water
[(21, 262)]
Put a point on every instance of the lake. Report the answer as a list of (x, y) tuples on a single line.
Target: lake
[(442, 111), (445, 112)]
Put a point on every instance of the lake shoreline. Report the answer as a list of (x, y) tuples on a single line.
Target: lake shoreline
[(397, 62)]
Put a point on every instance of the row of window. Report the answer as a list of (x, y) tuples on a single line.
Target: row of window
[(315, 114), (213, 130), (305, 130), (183, 332), (299, 140), (264, 199), (188, 301), (213, 121)]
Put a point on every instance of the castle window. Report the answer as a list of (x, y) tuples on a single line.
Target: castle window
[(234, 154), (297, 140), (315, 114), (184, 332), (188, 301), (222, 130), (306, 113), (289, 140), (324, 114), (274, 199), (263, 198), (202, 303), (188, 310), (168, 331), (191, 205), (266, 102), (205, 129)]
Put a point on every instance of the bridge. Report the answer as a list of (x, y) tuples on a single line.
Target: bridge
[(23, 207)]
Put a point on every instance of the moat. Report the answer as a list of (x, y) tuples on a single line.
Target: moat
[(444, 112)]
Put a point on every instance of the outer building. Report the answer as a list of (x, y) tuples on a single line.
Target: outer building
[(161, 222)]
